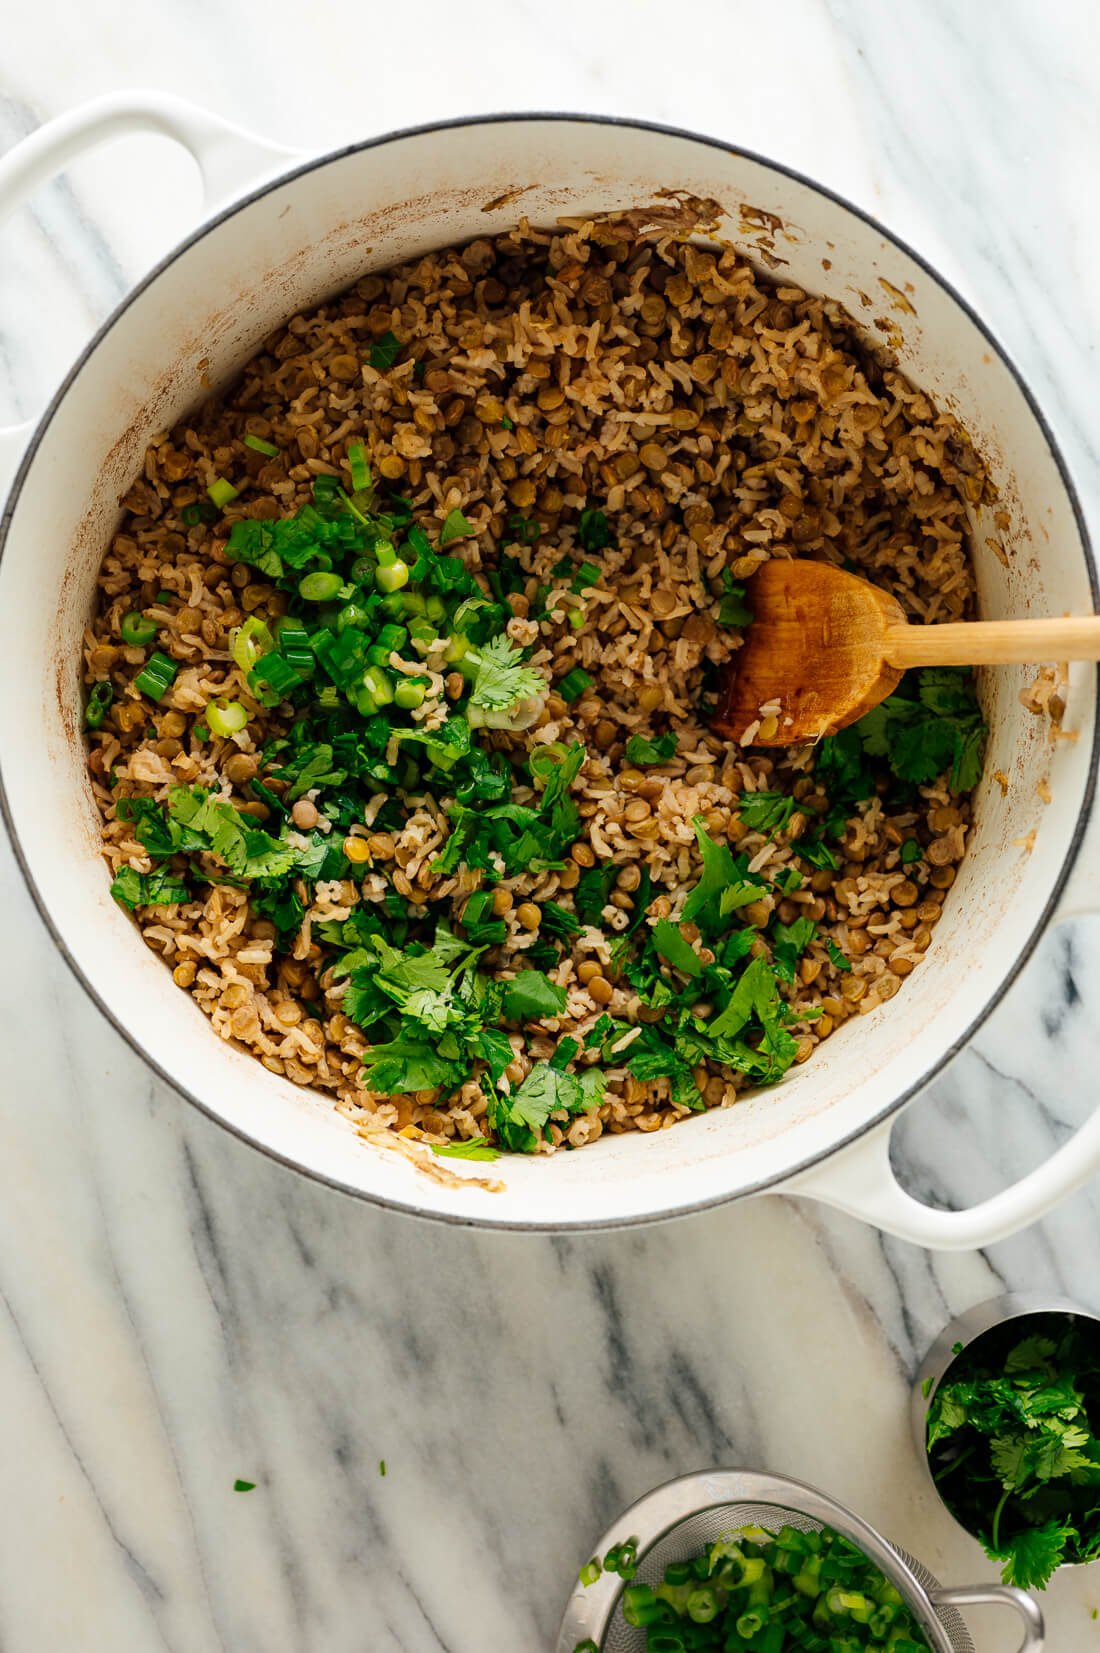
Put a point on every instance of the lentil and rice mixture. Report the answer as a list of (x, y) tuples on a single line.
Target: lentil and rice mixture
[(578, 444)]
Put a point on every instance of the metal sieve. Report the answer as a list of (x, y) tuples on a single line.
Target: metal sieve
[(674, 1522)]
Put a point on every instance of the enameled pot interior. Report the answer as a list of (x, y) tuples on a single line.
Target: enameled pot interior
[(194, 324)]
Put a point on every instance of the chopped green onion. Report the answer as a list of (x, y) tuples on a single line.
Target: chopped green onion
[(292, 634), (587, 574), (221, 492), (249, 642), (435, 608), (136, 629), (227, 717), (156, 676), (590, 1572), (352, 614), (325, 489), (575, 616), (274, 673), (641, 1606), (456, 648), (165, 596), (99, 703), (360, 469), (391, 578), (410, 692), (378, 685), (320, 587), (200, 731), (258, 445), (574, 684), (200, 511), (524, 529)]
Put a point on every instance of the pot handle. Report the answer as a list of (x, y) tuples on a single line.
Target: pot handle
[(229, 159), (859, 1180), (998, 1595)]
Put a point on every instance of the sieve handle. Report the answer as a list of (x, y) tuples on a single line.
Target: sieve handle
[(997, 1595), (230, 160)]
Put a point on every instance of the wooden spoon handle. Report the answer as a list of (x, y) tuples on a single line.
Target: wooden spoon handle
[(993, 642)]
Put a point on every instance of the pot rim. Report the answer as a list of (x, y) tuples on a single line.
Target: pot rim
[(966, 1328), (584, 1224)]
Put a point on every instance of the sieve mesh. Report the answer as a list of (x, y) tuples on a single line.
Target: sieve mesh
[(689, 1536)]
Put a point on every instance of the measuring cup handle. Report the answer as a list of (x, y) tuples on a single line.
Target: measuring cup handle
[(998, 1595), (229, 159)]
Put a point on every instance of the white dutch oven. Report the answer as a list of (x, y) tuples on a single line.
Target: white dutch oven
[(307, 227)]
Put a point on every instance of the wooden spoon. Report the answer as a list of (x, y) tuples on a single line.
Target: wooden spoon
[(825, 646)]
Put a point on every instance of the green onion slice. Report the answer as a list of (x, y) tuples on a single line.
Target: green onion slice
[(574, 684), (226, 717), (258, 445), (156, 676), (221, 492)]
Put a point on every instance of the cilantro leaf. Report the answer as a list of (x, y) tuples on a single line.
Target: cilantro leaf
[(1034, 1554), (148, 889), (767, 812), (732, 610), (455, 527), (639, 749), (385, 351), (593, 891), (939, 730), (789, 944), (521, 1116), (409, 1064), (841, 960), (593, 530), (475, 1147), (670, 943), (501, 679), (532, 994)]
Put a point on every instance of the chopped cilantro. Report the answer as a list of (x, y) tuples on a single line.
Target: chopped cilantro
[(909, 852), (593, 891), (767, 812), (789, 943), (593, 531), (524, 529), (817, 854), (731, 609), (639, 749), (531, 995), (385, 351), (668, 940), (244, 1486), (455, 527), (841, 960), (521, 1116), (474, 1148), (930, 726), (501, 681), (148, 889)]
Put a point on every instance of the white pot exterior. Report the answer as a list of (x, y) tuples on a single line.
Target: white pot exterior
[(199, 317)]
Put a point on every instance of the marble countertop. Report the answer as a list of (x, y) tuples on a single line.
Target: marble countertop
[(175, 1310)]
